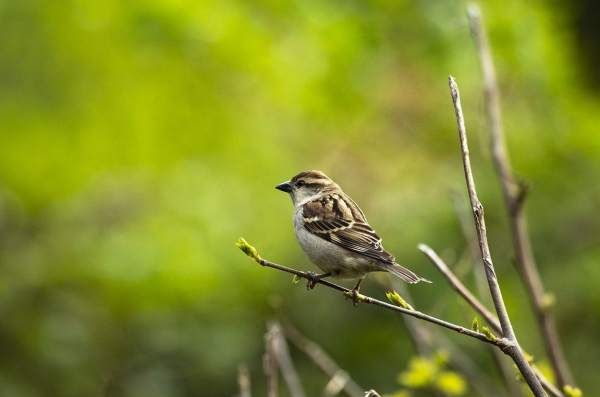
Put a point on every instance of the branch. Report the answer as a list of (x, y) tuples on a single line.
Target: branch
[(244, 381), (501, 343), (340, 380), (282, 355), (513, 349), (479, 307), (514, 195), (459, 287), (463, 215), (270, 366)]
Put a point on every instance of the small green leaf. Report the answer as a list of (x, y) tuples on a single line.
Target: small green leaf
[(396, 299), (475, 325), (572, 391), (488, 333), (296, 279), (248, 249)]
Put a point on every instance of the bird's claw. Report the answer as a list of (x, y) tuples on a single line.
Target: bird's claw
[(313, 279), (355, 296)]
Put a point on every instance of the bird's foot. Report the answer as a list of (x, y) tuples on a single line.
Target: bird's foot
[(356, 296), (314, 278)]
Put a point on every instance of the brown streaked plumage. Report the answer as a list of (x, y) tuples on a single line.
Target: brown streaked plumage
[(334, 232)]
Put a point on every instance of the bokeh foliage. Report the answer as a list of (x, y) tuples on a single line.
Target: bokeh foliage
[(141, 138)]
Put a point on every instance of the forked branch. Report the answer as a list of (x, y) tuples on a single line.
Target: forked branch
[(479, 307), (514, 351)]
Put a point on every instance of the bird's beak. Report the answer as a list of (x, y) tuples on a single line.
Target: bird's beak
[(284, 187)]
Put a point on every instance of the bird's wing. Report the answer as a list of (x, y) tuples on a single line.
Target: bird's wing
[(337, 219)]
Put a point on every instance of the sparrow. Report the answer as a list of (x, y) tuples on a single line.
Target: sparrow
[(334, 233)]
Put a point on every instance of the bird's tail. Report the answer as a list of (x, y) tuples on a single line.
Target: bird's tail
[(405, 274)]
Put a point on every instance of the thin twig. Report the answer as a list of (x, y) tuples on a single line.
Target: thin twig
[(244, 381), (459, 287), (340, 380), (514, 195), (479, 307), (501, 343), (270, 366), (282, 355), (513, 349)]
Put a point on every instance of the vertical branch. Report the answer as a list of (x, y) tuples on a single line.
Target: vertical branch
[(282, 355), (339, 379), (244, 381), (513, 349), (514, 195), (270, 366)]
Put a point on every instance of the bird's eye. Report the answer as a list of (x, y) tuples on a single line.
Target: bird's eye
[(300, 183)]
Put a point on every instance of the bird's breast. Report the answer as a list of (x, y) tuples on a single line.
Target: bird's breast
[(329, 257)]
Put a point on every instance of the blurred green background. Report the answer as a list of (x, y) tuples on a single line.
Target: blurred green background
[(140, 139)]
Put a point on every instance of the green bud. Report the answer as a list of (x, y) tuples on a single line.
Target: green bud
[(296, 279), (488, 333), (396, 299), (248, 249), (475, 325)]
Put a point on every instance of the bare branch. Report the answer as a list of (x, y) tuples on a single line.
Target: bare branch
[(513, 350), (282, 355), (505, 368), (459, 287), (244, 381), (514, 194), (340, 379)]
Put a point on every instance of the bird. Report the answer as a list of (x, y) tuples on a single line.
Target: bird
[(335, 234)]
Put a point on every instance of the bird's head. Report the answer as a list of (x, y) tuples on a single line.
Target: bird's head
[(306, 185)]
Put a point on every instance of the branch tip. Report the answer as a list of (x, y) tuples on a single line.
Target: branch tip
[(248, 249)]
